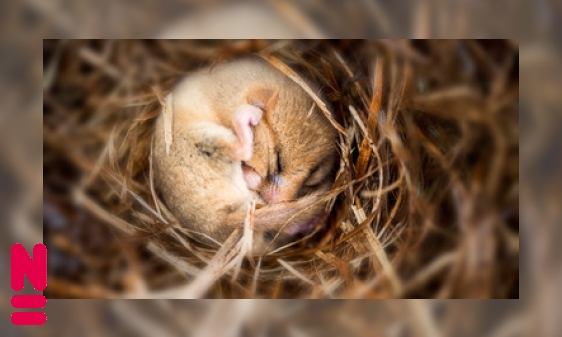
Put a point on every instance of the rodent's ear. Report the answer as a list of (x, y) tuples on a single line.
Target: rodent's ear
[(263, 98)]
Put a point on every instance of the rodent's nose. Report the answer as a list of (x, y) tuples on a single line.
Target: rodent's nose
[(270, 195)]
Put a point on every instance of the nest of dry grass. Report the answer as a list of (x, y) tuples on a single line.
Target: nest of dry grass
[(425, 203)]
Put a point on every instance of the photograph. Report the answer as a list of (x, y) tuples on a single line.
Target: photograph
[(281, 169)]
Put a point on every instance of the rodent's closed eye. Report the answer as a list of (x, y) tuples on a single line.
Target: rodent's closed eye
[(315, 177), (314, 182)]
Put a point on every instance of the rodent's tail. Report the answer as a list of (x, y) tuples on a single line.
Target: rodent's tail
[(284, 215)]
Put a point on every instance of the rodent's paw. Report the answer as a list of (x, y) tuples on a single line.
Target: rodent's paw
[(252, 178)]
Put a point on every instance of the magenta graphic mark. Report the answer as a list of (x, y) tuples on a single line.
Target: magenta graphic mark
[(35, 268)]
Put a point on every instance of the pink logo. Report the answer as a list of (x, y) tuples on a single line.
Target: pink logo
[(35, 268)]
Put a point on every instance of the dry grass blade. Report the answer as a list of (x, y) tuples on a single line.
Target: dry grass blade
[(168, 121), (380, 254), (295, 77), (294, 271), (247, 241), (365, 151), (218, 266), (103, 214), (182, 266)]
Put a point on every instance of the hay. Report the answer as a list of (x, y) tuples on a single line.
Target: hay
[(425, 202)]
